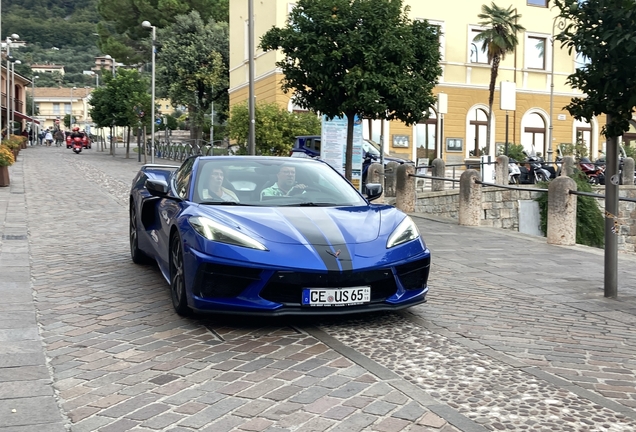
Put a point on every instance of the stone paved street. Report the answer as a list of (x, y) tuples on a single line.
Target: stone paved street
[(516, 334)]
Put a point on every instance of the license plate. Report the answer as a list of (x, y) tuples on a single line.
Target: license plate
[(336, 297)]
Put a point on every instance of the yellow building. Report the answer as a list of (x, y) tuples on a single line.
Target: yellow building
[(53, 103), (165, 107), (464, 81), (17, 101)]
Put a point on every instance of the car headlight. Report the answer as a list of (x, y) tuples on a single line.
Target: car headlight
[(212, 230), (405, 232)]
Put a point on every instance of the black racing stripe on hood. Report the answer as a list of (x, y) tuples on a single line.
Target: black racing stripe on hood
[(313, 234), (334, 236)]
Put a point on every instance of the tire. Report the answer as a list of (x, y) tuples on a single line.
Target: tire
[(137, 255), (593, 180), (177, 277), (541, 177)]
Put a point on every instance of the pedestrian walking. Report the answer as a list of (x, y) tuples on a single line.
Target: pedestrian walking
[(31, 137), (41, 136), (59, 137), (48, 137)]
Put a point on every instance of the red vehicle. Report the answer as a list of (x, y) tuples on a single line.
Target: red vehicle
[(77, 145), (86, 143), (69, 142)]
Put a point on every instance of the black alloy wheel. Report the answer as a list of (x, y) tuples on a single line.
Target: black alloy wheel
[(137, 255), (177, 277)]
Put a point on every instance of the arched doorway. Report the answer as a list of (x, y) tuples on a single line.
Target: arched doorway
[(426, 137), (477, 132), (583, 135), (533, 137)]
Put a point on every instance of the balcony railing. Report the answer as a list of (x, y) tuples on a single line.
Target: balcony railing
[(54, 114)]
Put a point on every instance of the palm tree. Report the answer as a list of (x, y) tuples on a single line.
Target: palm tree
[(498, 39)]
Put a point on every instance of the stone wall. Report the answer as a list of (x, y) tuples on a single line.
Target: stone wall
[(501, 209)]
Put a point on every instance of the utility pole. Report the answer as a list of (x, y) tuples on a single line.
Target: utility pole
[(251, 141)]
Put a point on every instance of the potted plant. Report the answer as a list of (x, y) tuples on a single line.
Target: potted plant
[(6, 159), (14, 143)]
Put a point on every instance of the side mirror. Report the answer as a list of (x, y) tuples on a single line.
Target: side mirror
[(373, 191), (158, 188)]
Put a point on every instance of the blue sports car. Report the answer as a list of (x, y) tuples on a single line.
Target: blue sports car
[(274, 236)]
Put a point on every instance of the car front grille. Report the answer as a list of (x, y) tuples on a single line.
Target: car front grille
[(223, 281), (414, 275), (286, 286)]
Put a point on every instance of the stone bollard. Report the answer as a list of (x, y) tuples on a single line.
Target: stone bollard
[(439, 170), (375, 174), (389, 178), (469, 198), (405, 188), (561, 212), (628, 171), (567, 168), (501, 170)]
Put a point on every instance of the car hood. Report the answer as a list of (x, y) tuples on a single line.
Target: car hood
[(302, 225)]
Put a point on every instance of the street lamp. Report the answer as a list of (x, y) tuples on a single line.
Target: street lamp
[(70, 120), (33, 108), (558, 22), (112, 60), (8, 43), (13, 63), (146, 24)]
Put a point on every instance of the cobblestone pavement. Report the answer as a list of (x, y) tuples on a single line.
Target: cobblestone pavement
[(516, 334)]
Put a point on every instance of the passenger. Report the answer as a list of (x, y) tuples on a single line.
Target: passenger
[(215, 190), (285, 185)]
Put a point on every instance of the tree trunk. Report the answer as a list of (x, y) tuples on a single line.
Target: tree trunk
[(349, 149), (491, 97), (128, 144)]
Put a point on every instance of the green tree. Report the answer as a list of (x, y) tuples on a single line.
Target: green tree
[(357, 57), (121, 101), (604, 32), (120, 31), (276, 128), (499, 39), (192, 67)]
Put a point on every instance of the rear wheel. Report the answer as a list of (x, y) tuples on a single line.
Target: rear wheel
[(136, 254), (177, 277), (541, 177)]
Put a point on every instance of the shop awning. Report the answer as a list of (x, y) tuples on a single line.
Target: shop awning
[(21, 116)]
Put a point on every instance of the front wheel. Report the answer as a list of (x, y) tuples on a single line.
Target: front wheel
[(177, 277), (541, 177), (137, 255)]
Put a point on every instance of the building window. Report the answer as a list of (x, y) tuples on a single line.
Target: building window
[(440, 31), (533, 138), (536, 52), (475, 49), (67, 108), (540, 3), (371, 129), (426, 136), (56, 108), (478, 129)]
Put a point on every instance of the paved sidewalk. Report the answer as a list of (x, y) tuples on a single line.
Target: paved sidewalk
[(516, 334)]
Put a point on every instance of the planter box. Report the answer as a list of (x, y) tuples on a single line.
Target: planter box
[(4, 176)]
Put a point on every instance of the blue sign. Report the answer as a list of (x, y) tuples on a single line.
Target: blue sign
[(158, 121)]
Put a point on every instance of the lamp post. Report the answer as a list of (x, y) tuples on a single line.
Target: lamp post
[(33, 108), (8, 43), (112, 61), (70, 120), (558, 22), (146, 24), (251, 143)]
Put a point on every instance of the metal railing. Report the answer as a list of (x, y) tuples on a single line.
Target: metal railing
[(183, 149)]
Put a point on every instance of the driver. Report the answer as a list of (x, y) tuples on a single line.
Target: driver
[(285, 184), (76, 133), (215, 190)]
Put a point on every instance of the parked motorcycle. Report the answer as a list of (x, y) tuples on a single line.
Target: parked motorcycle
[(77, 145), (514, 173), (535, 170), (595, 173)]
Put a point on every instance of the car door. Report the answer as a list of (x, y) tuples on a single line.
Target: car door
[(169, 209)]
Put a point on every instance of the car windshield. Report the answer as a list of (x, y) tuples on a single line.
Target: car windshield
[(271, 182)]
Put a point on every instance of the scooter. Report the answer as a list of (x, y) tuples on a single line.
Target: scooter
[(77, 145), (535, 170), (514, 173), (595, 173)]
